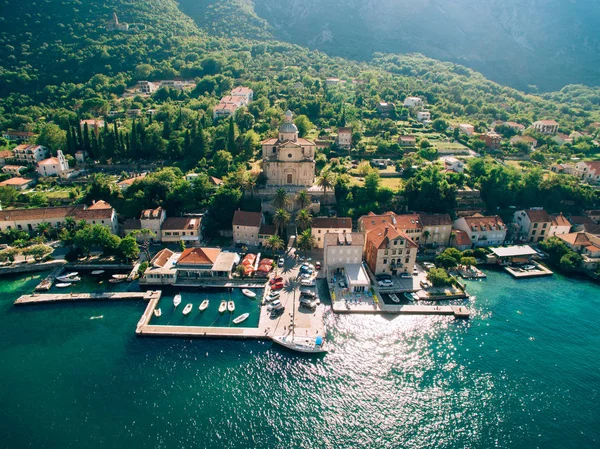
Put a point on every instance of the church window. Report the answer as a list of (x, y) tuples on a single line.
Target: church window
[(289, 154)]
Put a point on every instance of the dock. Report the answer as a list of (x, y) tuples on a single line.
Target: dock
[(41, 298), (46, 284), (409, 309), (518, 273)]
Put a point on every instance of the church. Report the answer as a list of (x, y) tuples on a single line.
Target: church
[(289, 161)]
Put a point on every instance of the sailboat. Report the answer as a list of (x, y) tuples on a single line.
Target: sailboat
[(177, 300), (187, 309), (223, 306), (204, 305)]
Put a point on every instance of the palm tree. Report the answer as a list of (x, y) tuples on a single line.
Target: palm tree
[(306, 241), (281, 200), (280, 220), (304, 219), (44, 228), (303, 199), (249, 183), (275, 243), (70, 223), (326, 181)]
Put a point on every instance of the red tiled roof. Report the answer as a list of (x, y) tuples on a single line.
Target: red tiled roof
[(547, 122), (129, 181), (15, 182), (479, 220), (6, 154), (576, 238), (199, 256), (381, 235), (244, 218), (538, 216), (331, 223), (148, 214), (461, 238), (180, 223), (560, 220), (594, 166), (161, 257), (101, 204), (267, 230), (215, 181), (436, 220)]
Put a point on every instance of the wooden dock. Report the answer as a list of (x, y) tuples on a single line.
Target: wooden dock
[(524, 274), (40, 298), (46, 284), (409, 309)]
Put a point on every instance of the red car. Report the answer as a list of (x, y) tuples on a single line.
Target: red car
[(276, 280), (277, 286)]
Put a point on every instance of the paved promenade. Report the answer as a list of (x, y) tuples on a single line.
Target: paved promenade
[(457, 311), (39, 298)]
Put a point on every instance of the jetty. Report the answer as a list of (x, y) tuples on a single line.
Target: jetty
[(49, 280), (41, 298), (408, 309)]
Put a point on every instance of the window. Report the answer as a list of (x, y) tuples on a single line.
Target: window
[(237, 227), (386, 252), (289, 178), (385, 261), (535, 225), (290, 155)]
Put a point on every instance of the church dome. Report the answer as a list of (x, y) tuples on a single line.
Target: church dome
[(288, 128)]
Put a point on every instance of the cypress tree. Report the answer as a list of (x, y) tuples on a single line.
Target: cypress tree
[(200, 142), (86, 139), (231, 137), (133, 144), (70, 142), (166, 134), (79, 135), (95, 145)]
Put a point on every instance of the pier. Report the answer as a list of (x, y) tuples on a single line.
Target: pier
[(47, 283), (409, 309), (41, 298), (519, 273)]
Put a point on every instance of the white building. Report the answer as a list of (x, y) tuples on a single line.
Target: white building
[(483, 231), (588, 171), (560, 225), (30, 154), (532, 225), (325, 225), (423, 116), (413, 102), (244, 92), (152, 219), (53, 166), (454, 164), (546, 126), (344, 138), (467, 129)]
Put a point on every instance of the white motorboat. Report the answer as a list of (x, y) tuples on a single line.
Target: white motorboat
[(187, 309), (120, 276), (97, 272), (249, 293), (301, 344), (157, 312), (70, 275), (204, 305), (177, 300), (394, 298), (68, 278), (116, 281), (223, 306), (241, 318), (63, 285), (231, 306)]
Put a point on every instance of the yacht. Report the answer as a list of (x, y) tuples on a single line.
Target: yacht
[(187, 309), (120, 276), (97, 272), (177, 300), (68, 278), (302, 344), (63, 284), (204, 305)]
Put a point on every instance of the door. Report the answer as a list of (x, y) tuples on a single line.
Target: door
[(289, 178)]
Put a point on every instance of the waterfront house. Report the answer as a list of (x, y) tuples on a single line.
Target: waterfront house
[(342, 249), (388, 250), (161, 269), (460, 240), (27, 220), (246, 227), (407, 223), (559, 225), (175, 229), (545, 126), (587, 245), (436, 229), (30, 154), (197, 263), (153, 219), (18, 183), (531, 225), (325, 225), (481, 230)]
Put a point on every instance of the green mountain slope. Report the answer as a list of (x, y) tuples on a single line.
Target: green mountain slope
[(515, 42)]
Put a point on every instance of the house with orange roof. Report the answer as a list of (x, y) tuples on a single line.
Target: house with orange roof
[(388, 250), (460, 240), (14, 170), (195, 264), (559, 225), (482, 230), (126, 183), (18, 183), (588, 171), (53, 166), (531, 225)]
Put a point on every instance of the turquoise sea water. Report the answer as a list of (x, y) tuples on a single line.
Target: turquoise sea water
[(523, 373)]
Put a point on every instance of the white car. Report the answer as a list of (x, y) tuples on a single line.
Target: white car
[(406, 276), (385, 283), (415, 272), (274, 305), (307, 282)]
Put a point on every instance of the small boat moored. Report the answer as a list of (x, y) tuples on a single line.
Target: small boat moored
[(68, 278), (241, 318), (394, 298), (187, 309), (223, 306), (97, 272), (231, 306), (157, 312), (63, 285), (176, 300), (302, 344), (204, 305), (116, 281), (119, 276), (248, 293)]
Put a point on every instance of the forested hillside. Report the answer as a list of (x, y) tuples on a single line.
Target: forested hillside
[(520, 43)]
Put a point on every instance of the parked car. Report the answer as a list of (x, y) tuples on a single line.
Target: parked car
[(308, 282), (318, 265), (306, 275), (308, 303), (307, 293), (406, 276), (277, 286), (278, 311), (307, 267), (342, 283), (280, 262), (276, 280), (274, 305), (415, 271), (381, 277), (386, 283), (273, 295)]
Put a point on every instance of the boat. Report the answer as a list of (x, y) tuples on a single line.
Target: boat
[(249, 293), (157, 312), (242, 317), (120, 276), (177, 300), (99, 317), (63, 285), (223, 306), (187, 309), (394, 298), (97, 272), (68, 278), (302, 344), (115, 281), (204, 305), (231, 306), (70, 275)]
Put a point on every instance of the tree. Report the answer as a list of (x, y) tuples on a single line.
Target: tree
[(8, 196), (450, 258), (53, 137), (326, 181), (440, 125), (439, 277), (275, 243), (303, 124), (468, 261), (231, 147), (280, 220), (303, 199), (221, 163), (571, 261), (372, 182), (38, 252), (128, 248), (44, 229), (306, 241), (304, 219), (555, 248), (282, 199)]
